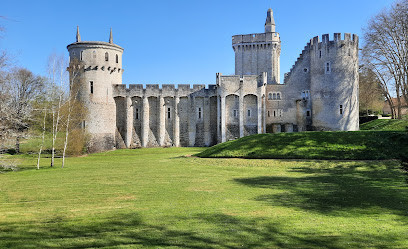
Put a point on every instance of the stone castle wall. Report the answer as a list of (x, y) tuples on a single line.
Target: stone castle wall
[(319, 93)]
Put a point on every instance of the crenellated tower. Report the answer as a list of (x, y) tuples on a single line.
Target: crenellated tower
[(326, 78), (334, 82), (100, 67), (257, 53)]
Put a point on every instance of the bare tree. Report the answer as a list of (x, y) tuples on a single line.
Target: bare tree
[(22, 87), (386, 52)]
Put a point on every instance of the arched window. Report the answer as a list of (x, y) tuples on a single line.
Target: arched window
[(274, 96), (168, 111), (106, 56), (270, 96), (117, 59), (82, 52), (278, 96)]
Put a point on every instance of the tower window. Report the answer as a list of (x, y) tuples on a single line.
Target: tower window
[(91, 86), (249, 113), (320, 54), (117, 59), (199, 113), (235, 113), (349, 52), (341, 109), (274, 96), (278, 96), (168, 113), (270, 96), (305, 94), (82, 52), (106, 56), (274, 113), (327, 67), (137, 113), (269, 114), (305, 70), (308, 113)]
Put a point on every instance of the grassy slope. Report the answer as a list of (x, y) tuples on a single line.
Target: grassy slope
[(155, 198), (385, 125), (368, 145)]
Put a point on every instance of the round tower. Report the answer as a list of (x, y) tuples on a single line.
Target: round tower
[(334, 83), (94, 67)]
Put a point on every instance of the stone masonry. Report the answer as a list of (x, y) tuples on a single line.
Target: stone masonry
[(319, 93)]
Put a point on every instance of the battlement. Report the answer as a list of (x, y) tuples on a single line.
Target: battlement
[(166, 90), (325, 39), (319, 42), (255, 38)]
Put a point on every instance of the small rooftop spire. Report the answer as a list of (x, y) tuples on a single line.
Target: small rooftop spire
[(270, 22), (110, 37), (78, 36)]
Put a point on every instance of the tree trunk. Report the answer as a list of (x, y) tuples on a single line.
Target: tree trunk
[(53, 139), (18, 144), (55, 130), (66, 138), (43, 138)]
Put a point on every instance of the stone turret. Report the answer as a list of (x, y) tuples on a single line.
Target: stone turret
[(270, 22), (110, 37), (78, 36), (100, 67)]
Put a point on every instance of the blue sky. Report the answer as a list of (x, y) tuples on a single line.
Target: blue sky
[(166, 42)]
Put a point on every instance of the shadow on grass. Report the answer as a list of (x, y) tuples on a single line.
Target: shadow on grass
[(220, 231), (351, 190)]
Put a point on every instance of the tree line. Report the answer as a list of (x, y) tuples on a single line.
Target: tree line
[(44, 105), (384, 68)]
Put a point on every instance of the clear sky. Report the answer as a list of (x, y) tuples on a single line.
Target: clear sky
[(174, 41)]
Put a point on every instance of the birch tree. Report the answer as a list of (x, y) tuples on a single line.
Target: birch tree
[(57, 65), (74, 86), (43, 139)]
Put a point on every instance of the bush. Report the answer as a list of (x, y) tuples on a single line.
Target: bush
[(77, 142), (8, 164), (365, 119)]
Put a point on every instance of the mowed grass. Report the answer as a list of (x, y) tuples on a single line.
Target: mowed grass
[(360, 145), (386, 125), (158, 198)]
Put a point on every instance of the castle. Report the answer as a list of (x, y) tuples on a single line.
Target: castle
[(319, 93)]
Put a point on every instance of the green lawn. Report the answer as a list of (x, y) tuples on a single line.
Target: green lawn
[(386, 125), (360, 145), (157, 198)]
